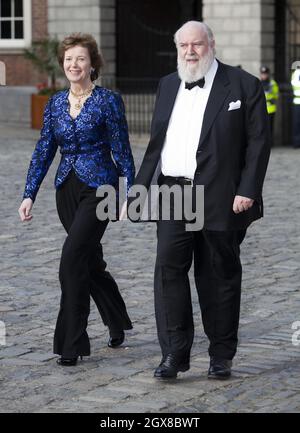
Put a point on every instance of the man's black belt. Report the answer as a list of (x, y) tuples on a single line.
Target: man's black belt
[(172, 180)]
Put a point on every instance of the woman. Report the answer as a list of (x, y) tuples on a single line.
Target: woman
[(88, 124)]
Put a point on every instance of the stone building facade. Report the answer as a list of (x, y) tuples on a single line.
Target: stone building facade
[(88, 16), (136, 36), (244, 30)]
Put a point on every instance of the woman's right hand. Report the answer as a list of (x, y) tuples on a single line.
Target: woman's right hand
[(25, 208)]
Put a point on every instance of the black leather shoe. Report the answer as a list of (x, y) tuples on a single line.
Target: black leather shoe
[(67, 362), (219, 368), (170, 366), (116, 339)]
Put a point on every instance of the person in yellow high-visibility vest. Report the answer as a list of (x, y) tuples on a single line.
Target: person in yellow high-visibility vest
[(295, 82), (271, 93)]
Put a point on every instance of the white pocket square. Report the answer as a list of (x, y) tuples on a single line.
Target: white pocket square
[(234, 105)]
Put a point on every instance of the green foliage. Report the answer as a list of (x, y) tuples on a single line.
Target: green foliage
[(43, 56)]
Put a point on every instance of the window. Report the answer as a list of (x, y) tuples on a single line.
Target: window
[(15, 23)]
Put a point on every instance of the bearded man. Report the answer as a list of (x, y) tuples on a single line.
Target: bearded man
[(209, 127)]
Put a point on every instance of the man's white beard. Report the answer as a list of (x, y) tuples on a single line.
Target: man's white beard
[(191, 73)]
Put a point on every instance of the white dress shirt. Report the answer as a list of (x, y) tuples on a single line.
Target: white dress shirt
[(178, 157)]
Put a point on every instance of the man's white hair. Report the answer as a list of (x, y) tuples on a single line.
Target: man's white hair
[(201, 25)]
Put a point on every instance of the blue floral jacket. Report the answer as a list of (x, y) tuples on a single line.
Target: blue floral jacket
[(95, 144)]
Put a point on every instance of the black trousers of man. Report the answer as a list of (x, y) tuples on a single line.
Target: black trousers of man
[(218, 274), (82, 271)]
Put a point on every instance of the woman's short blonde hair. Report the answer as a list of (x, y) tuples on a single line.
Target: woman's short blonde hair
[(83, 40)]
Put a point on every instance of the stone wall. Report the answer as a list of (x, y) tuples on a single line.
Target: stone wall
[(17, 107), (107, 35), (268, 33), (86, 16), (244, 31)]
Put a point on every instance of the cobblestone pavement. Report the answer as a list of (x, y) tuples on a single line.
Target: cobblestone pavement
[(266, 372)]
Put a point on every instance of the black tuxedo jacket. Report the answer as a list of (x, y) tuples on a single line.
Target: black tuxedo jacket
[(234, 145)]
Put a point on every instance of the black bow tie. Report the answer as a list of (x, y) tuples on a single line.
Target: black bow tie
[(199, 83)]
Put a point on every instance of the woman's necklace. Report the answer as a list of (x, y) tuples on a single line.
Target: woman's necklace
[(80, 96)]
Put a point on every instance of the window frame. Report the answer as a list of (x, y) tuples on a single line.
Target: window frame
[(27, 28)]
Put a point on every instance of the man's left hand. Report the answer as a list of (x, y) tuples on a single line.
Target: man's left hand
[(241, 203)]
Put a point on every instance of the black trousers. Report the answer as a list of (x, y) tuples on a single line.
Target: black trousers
[(82, 271), (218, 273)]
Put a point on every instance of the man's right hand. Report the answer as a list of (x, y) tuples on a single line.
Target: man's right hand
[(25, 208)]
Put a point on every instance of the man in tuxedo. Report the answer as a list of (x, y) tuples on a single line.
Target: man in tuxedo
[(210, 128)]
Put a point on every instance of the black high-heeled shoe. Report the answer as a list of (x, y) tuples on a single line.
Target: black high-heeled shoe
[(116, 339), (67, 362)]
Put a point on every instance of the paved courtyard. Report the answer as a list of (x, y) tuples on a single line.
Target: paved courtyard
[(266, 370)]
